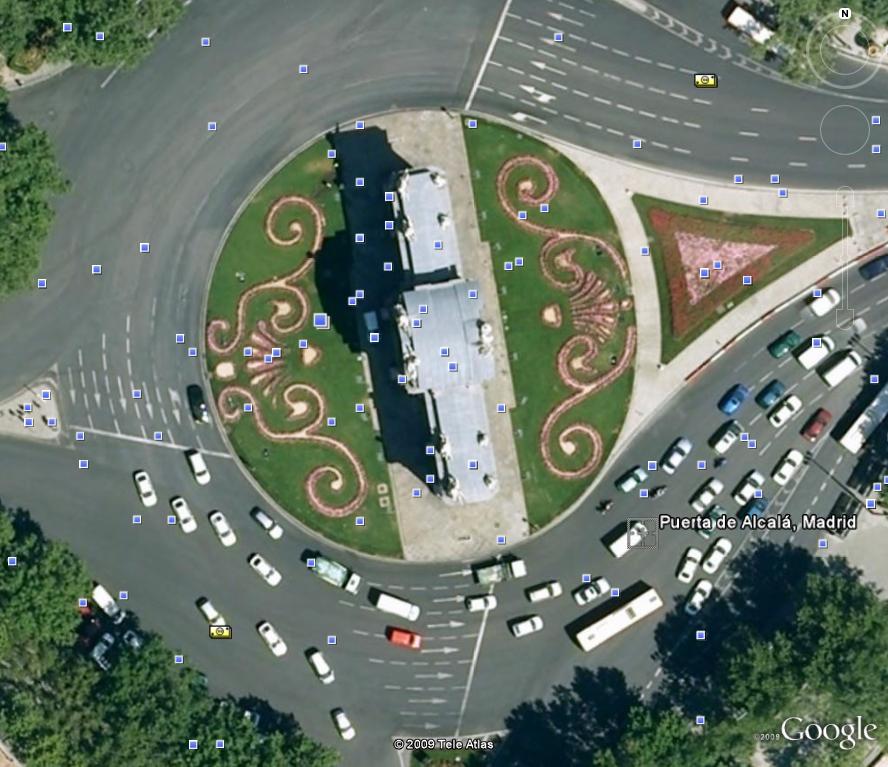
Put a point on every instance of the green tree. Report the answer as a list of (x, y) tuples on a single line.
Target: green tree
[(29, 177)]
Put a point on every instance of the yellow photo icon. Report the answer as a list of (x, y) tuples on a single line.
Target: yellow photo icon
[(220, 632), (706, 81)]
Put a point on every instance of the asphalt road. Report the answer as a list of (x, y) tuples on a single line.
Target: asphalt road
[(145, 168)]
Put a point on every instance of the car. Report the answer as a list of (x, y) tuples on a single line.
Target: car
[(716, 555), (816, 424), (183, 513), (209, 611), (677, 452), (631, 479), (197, 404), (145, 488), (705, 495), (591, 591), (343, 724), (481, 602), (733, 399), (770, 394), (714, 513), (688, 565), (748, 485), (222, 529), (198, 467), (544, 591), (274, 530), (785, 410), (403, 637), (755, 508), (872, 269), (699, 594), (132, 640), (100, 652), (524, 626), (811, 354), (787, 466), (261, 565), (319, 665), (725, 436), (828, 299), (268, 633), (784, 344)]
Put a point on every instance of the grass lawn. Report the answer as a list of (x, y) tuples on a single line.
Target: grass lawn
[(524, 293), (282, 467), (788, 242)]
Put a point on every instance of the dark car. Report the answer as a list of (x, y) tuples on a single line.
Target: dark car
[(770, 394), (733, 398), (784, 344), (816, 424), (198, 404), (872, 269), (756, 507)]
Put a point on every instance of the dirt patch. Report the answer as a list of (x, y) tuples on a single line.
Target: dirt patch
[(225, 371), (310, 356), (551, 316)]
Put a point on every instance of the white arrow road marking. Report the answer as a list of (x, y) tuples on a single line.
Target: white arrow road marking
[(453, 573), (544, 65), (448, 599), (448, 625), (120, 390), (439, 675), (561, 17), (433, 701), (445, 650)]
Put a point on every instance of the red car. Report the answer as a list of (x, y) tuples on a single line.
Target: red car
[(816, 425), (403, 637)]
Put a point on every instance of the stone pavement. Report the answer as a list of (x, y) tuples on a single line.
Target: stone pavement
[(42, 415)]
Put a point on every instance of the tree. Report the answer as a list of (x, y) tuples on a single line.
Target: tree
[(29, 177)]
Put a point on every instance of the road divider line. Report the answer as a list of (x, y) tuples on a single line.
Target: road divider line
[(488, 54), (145, 440), (474, 663)]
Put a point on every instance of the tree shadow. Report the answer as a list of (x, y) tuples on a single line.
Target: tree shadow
[(572, 725)]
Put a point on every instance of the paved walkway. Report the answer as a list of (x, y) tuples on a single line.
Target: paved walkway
[(42, 413), (13, 81)]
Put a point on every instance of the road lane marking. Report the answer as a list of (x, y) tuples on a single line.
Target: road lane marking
[(147, 441), (488, 54)]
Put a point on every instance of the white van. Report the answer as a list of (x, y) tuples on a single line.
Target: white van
[(629, 539), (814, 355), (107, 603), (396, 606), (198, 467), (839, 370)]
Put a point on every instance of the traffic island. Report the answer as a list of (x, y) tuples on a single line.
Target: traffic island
[(289, 386), (707, 262), (567, 310), (32, 412)]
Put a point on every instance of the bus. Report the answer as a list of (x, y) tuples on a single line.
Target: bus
[(866, 423), (618, 619)]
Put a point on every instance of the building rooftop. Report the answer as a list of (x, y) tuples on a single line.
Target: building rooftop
[(444, 339), (426, 239)]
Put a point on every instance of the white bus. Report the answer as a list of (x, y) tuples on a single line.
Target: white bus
[(619, 619), (868, 421)]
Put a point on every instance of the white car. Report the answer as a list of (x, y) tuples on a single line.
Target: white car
[(529, 625), (343, 724), (274, 530), (209, 611), (689, 564), (320, 666), (716, 555), (745, 491), (725, 437), (480, 603), (707, 493), (787, 466), (547, 590), (829, 299), (627, 482), (222, 529), (198, 467), (785, 410), (698, 596), (811, 355), (591, 591), (262, 566), (678, 451), (145, 488), (272, 638), (183, 513)]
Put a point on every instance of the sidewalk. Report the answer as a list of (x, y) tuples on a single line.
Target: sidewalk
[(11, 80)]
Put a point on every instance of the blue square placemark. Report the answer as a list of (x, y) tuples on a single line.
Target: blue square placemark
[(703, 199), (303, 69), (82, 602), (473, 464), (877, 487), (386, 266), (124, 595), (416, 322), (452, 367), (310, 562), (874, 379), (783, 192), (12, 561), (192, 744), (716, 266), (438, 245), (359, 181), (870, 503), (248, 407), (352, 301), (423, 308), (700, 634), (816, 343), (522, 215), (27, 407), (416, 493), (41, 282), (220, 743), (744, 436), (508, 266), (359, 407), (473, 293), (652, 465), (67, 26), (331, 421), (444, 351), (821, 543), (374, 338), (877, 148), (321, 321), (29, 422), (472, 123), (544, 207), (211, 126), (558, 37), (100, 36), (359, 125), (704, 273), (303, 343), (430, 450), (179, 659), (775, 178), (137, 519), (500, 407), (144, 247), (137, 394), (430, 479), (643, 492), (636, 143), (275, 352), (880, 213), (747, 279), (738, 178), (701, 464), (359, 293), (519, 261), (757, 493), (267, 359), (359, 237), (501, 540), (700, 719), (45, 394), (331, 154), (389, 196), (645, 250), (750, 444), (586, 578), (79, 436), (171, 520), (83, 463), (52, 422), (876, 120), (389, 226), (180, 338), (158, 436), (96, 269), (359, 521), (331, 639), (615, 592), (192, 351), (205, 42), (402, 379)]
